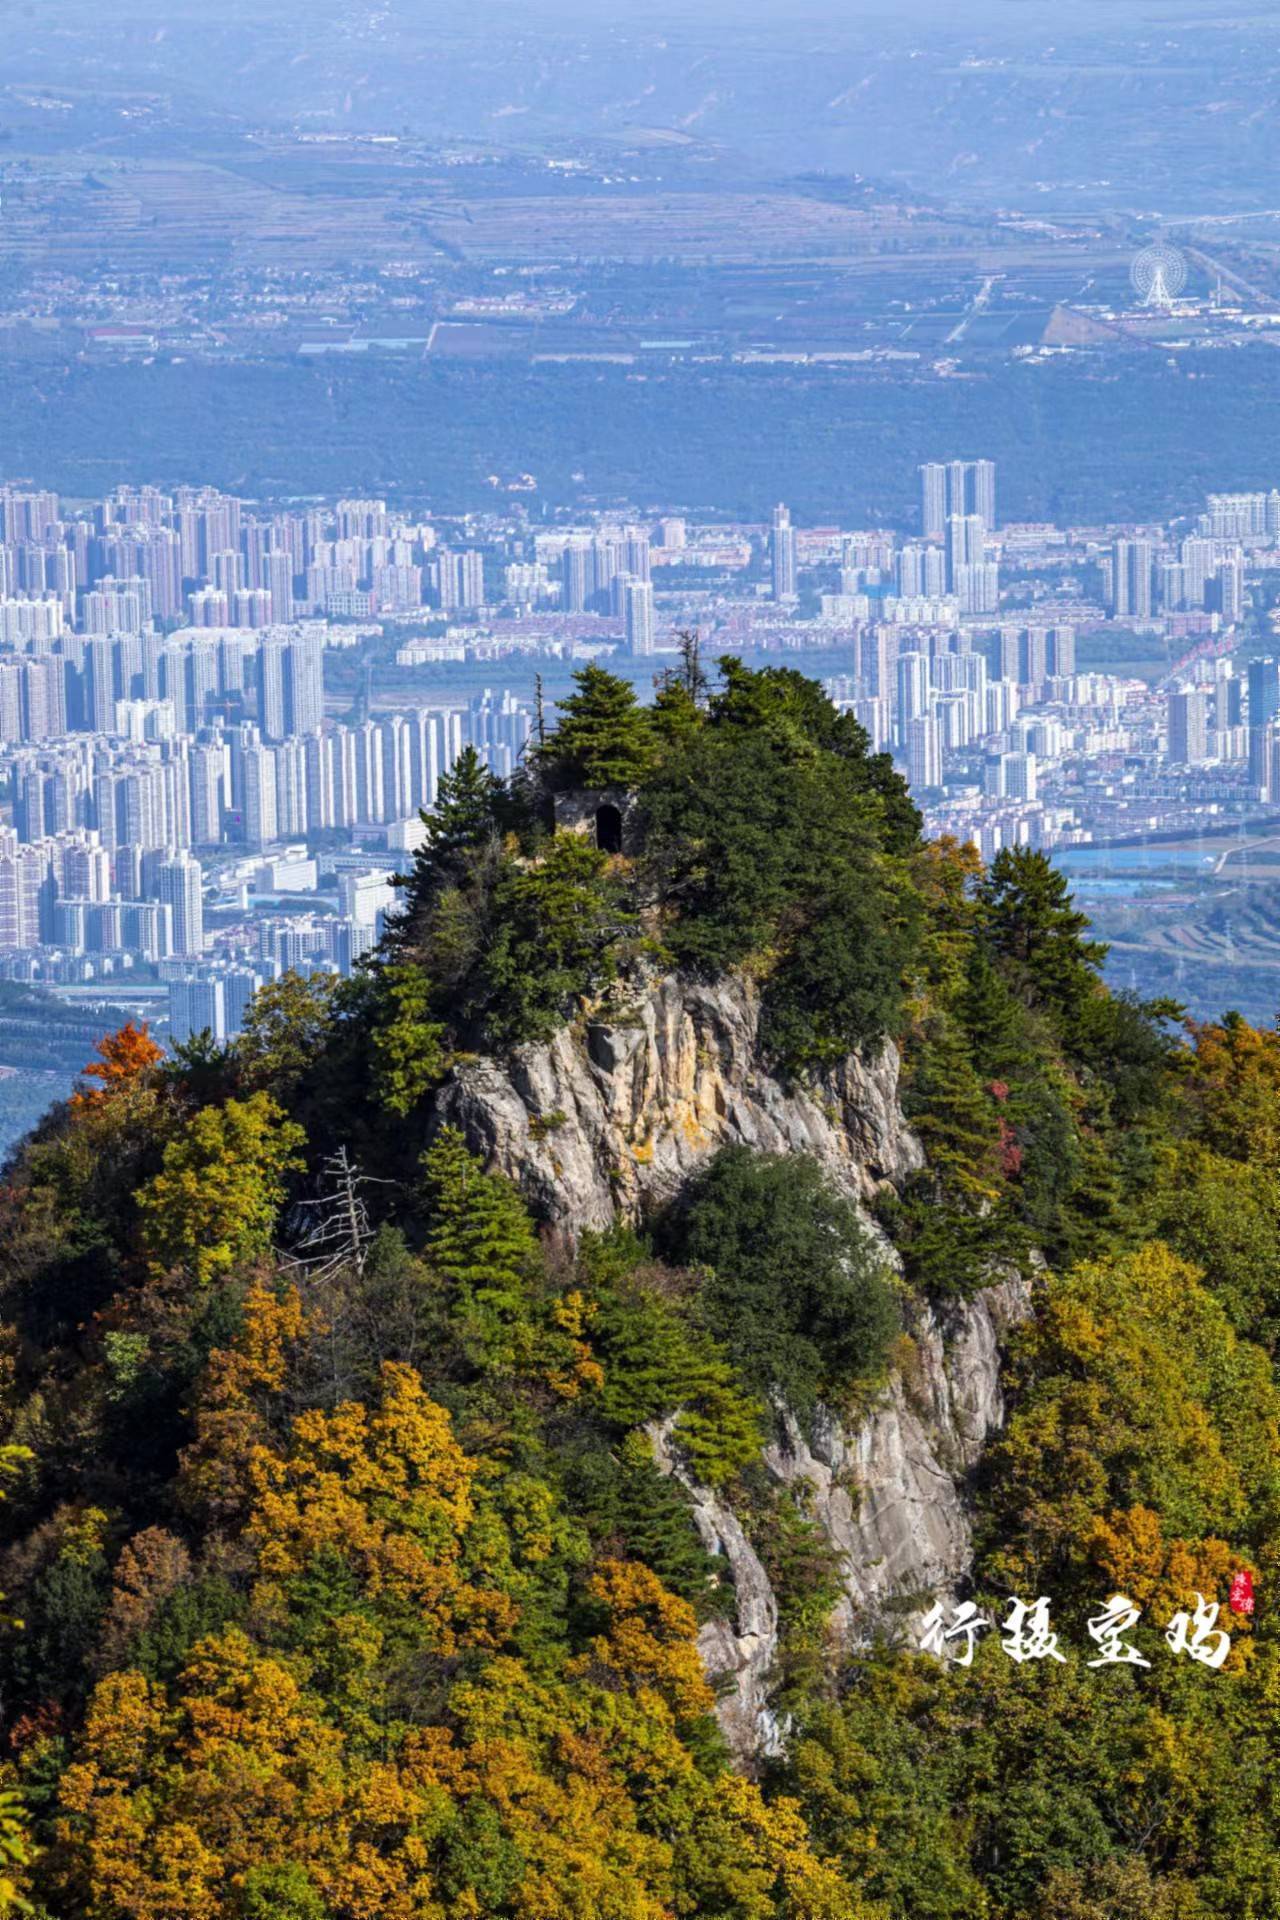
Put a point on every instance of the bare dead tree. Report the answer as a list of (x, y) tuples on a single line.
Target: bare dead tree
[(689, 674), (339, 1231)]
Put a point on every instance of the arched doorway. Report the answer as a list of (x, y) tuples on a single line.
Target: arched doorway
[(608, 829)]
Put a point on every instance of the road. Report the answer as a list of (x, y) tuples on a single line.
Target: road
[(1229, 274), (981, 300)]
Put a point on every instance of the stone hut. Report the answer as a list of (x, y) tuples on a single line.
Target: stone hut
[(608, 815)]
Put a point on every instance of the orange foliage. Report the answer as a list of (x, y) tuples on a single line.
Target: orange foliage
[(389, 1490), (649, 1639), (1133, 1556), (228, 1420), (127, 1059), (557, 1790)]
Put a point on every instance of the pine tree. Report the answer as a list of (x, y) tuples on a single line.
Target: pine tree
[(677, 717), (640, 1513), (999, 1027), (1033, 925), (605, 737), (556, 928), (467, 807), (482, 1245), (955, 1114), (469, 812), (406, 1044)]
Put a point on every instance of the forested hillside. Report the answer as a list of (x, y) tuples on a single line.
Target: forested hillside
[(344, 1577)]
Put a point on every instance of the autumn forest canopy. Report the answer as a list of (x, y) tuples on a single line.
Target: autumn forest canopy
[(344, 1576)]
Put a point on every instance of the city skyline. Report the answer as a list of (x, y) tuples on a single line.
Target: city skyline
[(188, 804)]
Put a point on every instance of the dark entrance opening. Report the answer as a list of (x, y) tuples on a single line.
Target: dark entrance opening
[(608, 829)]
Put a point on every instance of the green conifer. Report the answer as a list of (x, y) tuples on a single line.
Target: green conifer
[(605, 737), (1033, 924), (469, 813), (482, 1245)]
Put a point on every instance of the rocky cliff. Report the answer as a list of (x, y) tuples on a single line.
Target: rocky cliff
[(888, 1494), (610, 1119), (612, 1116)]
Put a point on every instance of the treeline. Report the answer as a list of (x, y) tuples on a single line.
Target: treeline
[(725, 441)]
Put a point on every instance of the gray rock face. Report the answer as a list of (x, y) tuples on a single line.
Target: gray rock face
[(613, 1115), (738, 1653), (889, 1496), (609, 1120)]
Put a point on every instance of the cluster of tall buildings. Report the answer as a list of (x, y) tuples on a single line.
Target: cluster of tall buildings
[(957, 489), (593, 564), (929, 692), (178, 803), (203, 558), (162, 705), (606, 572), (128, 801), (67, 891), (1143, 577), (958, 510), (1242, 516), (174, 683), (228, 785)]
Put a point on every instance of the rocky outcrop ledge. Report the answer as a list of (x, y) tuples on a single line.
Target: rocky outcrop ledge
[(611, 1117)]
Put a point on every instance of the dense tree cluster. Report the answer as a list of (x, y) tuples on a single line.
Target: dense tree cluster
[(792, 1276), (349, 1549), (770, 837), (1041, 1099), (359, 1592)]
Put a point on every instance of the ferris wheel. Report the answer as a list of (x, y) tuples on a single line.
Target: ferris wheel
[(1159, 274)]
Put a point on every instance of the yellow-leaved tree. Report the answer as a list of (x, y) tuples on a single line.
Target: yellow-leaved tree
[(213, 1205), (15, 1839), (378, 1733)]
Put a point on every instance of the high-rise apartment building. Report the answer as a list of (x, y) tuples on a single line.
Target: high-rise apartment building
[(957, 488), (933, 485), (1264, 706), (180, 888), (577, 575), (1020, 776), (257, 794), (982, 482), (638, 610), (912, 687), (304, 684), (1132, 577), (197, 1006), (924, 753), (1188, 726), (783, 555)]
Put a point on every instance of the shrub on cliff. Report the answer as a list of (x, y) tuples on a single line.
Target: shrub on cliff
[(796, 1287)]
